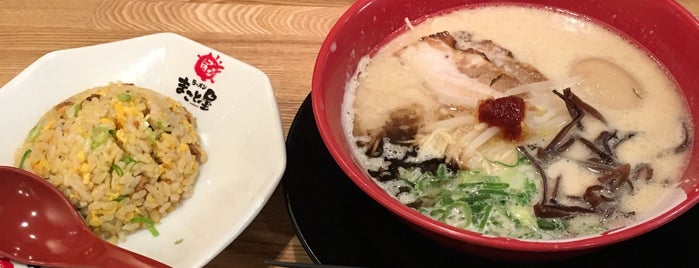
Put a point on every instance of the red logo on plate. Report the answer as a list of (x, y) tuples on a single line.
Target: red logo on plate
[(208, 66)]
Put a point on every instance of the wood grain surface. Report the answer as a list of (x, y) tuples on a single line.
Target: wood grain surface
[(280, 37)]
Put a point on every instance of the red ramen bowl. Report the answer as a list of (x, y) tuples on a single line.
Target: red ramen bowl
[(666, 30)]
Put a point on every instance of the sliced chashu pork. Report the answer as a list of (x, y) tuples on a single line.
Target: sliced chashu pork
[(462, 71)]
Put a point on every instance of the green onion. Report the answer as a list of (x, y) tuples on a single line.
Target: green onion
[(485, 185), (126, 159), (179, 241), (34, 133), (125, 97), (77, 109), (438, 214), (445, 200), (487, 191), (486, 216), (549, 224), (520, 160), (129, 162), (142, 219), (162, 126), (118, 170), (441, 172), (522, 215), (121, 197), (474, 200), (153, 231), (525, 197), (411, 176), (458, 214), (24, 158), (99, 136), (150, 224), (151, 134)]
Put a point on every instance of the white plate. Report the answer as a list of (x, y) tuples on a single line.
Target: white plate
[(241, 131)]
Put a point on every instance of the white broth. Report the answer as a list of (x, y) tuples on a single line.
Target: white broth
[(457, 117)]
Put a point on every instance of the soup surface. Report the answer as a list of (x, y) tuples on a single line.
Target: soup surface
[(544, 125)]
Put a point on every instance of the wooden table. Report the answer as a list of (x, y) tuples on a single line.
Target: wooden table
[(281, 37)]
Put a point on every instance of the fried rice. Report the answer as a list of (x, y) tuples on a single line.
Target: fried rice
[(124, 155)]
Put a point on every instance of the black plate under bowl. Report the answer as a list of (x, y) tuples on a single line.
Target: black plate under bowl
[(339, 224)]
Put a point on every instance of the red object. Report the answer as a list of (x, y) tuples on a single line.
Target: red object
[(5, 263), (367, 23), (506, 113), (41, 227), (208, 66)]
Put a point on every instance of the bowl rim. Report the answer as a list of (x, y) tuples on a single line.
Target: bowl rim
[(378, 194)]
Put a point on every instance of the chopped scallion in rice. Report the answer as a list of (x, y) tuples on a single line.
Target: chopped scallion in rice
[(149, 223), (24, 158)]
